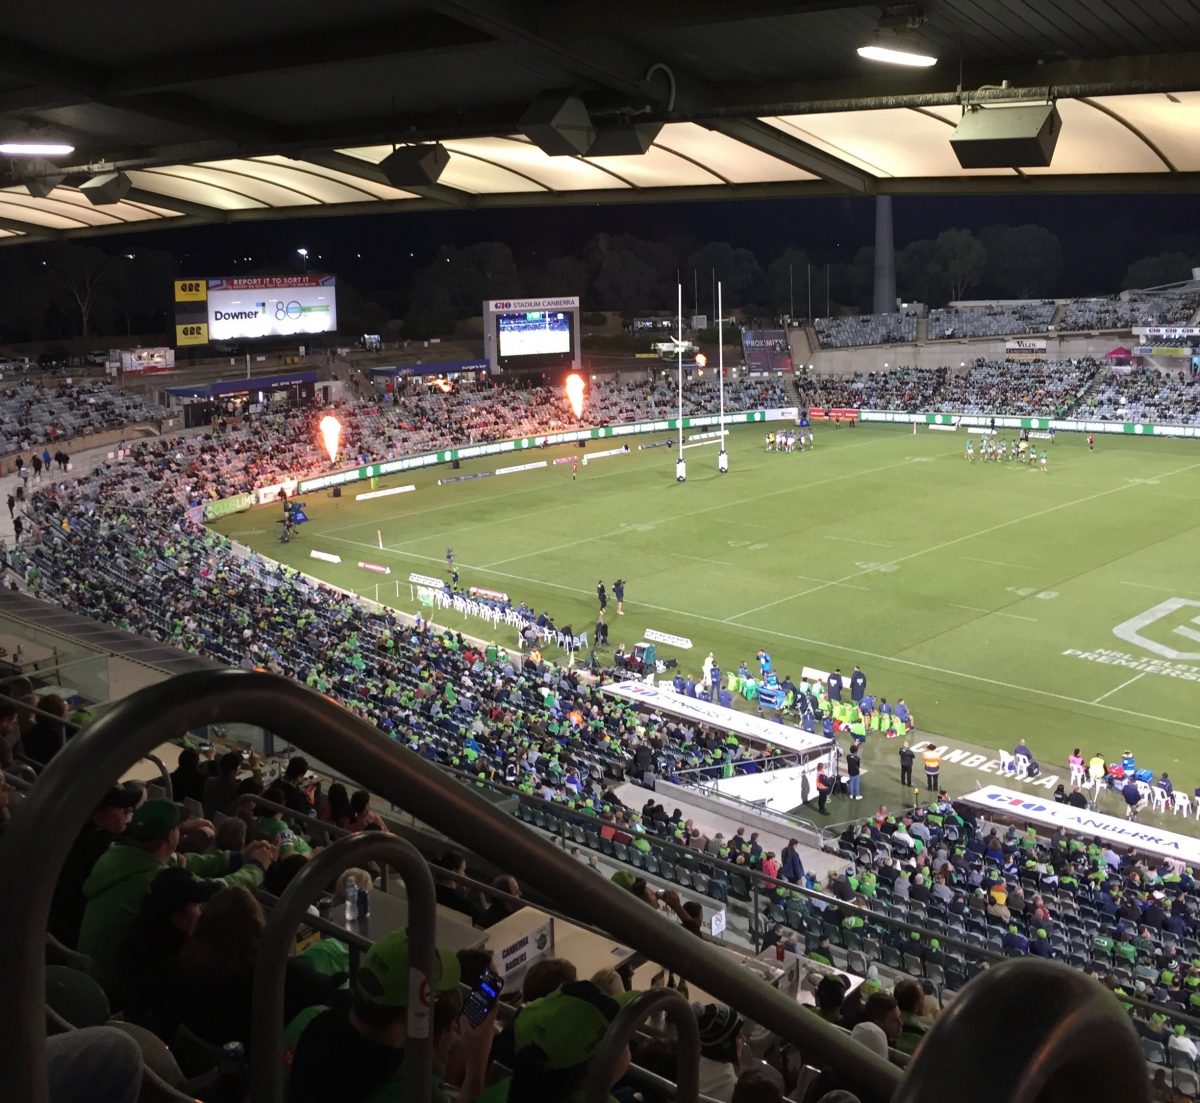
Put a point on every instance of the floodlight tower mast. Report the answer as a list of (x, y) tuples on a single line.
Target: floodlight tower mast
[(722, 456)]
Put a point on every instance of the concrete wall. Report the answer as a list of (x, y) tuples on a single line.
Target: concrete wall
[(950, 354)]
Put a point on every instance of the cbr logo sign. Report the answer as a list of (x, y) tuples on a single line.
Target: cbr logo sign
[(1131, 629)]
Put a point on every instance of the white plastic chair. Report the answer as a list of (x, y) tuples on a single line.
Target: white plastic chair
[(1022, 764), (1158, 797), (1007, 766), (1078, 775), (1183, 804)]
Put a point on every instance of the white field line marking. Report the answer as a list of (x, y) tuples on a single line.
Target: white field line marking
[(1163, 589), (754, 630), (992, 612), (847, 585), (697, 512), (956, 540), (740, 524), (851, 540), (1120, 687), (996, 563), (701, 559)]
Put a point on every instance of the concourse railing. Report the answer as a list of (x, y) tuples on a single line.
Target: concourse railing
[(86, 768)]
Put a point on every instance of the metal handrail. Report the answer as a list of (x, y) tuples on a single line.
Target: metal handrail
[(622, 1029), (279, 936), (80, 775), (1064, 1038), (167, 783)]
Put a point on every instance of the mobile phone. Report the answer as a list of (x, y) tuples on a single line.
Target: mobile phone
[(483, 997)]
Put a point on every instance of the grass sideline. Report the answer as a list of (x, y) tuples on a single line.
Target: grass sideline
[(961, 587)]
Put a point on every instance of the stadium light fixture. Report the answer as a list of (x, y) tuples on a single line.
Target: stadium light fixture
[(896, 40), (36, 149)]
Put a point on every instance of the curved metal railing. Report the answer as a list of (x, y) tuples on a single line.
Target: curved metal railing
[(622, 1029), (279, 936)]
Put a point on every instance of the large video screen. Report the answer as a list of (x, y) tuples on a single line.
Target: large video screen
[(268, 306), (534, 333)]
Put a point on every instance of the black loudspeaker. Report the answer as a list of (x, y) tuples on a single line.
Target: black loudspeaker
[(624, 140), (558, 123), (337, 492), (455, 464), (583, 444), (1007, 137), (108, 187), (415, 166)]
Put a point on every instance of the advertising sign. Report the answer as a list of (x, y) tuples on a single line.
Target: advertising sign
[(1025, 348), (1167, 331), (145, 361), (271, 306), (1044, 812), (766, 350)]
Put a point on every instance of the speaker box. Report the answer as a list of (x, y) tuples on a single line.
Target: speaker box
[(1007, 137), (337, 492), (455, 464), (558, 123), (46, 181), (624, 140), (109, 187), (415, 166)]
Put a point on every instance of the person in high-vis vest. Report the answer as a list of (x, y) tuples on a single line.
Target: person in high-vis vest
[(933, 766)]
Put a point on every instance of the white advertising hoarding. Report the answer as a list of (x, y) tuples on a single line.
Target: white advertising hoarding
[(271, 306), (1044, 812)]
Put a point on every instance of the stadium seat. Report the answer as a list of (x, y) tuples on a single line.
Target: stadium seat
[(1182, 804), (1154, 1052), (75, 996), (1186, 1081), (913, 965)]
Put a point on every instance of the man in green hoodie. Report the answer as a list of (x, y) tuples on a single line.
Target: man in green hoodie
[(121, 877)]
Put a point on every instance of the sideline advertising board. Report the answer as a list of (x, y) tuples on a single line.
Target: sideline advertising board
[(998, 801), (1025, 348), (1004, 421), (500, 447)]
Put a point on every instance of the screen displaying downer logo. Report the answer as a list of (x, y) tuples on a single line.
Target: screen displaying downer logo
[(278, 311)]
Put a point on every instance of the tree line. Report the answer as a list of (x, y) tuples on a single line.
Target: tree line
[(72, 290)]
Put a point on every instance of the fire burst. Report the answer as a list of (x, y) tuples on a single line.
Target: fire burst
[(575, 392), (331, 431)]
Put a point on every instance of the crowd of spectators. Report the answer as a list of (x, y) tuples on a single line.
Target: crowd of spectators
[(948, 323), (1137, 310), (33, 414), (1016, 387), (866, 329), (1171, 398)]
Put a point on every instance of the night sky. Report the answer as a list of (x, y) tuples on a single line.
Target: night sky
[(1101, 235)]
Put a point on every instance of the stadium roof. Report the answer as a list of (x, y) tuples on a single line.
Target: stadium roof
[(216, 113)]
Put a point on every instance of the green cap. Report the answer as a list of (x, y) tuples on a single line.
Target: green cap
[(568, 1025), (934, 944), (270, 826), (155, 820), (1041, 932), (383, 979), (623, 879)]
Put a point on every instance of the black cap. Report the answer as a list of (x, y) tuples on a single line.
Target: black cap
[(121, 796), (173, 889)]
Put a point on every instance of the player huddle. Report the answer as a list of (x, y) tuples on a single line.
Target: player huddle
[(788, 441), (994, 450)]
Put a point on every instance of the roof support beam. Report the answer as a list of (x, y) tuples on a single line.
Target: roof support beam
[(394, 38), (584, 18), (768, 139), (200, 211)]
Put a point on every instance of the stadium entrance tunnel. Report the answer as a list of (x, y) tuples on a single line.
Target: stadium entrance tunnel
[(1055, 1035)]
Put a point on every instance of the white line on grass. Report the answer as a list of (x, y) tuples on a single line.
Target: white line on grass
[(828, 644), (1162, 589), (951, 543), (701, 559), (740, 524), (696, 512), (1120, 687), (992, 612), (851, 540), (846, 585), (996, 563)]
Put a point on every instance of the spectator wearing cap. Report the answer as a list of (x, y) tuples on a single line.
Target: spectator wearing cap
[(881, 1024), (273, 829), (119, 880), (721, 1046), (354, 1052), (1180, 1044), (104, 827), (148, 989)]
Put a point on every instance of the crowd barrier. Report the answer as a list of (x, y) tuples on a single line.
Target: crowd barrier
[(1045, 424), (262, 495)]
